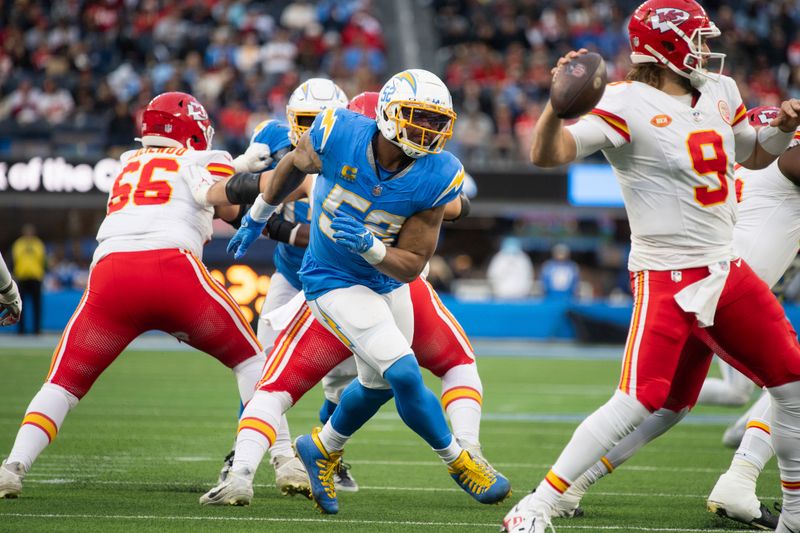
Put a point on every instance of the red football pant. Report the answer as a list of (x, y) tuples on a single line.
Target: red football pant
[(667, 355), (305, 351), (129, 293)]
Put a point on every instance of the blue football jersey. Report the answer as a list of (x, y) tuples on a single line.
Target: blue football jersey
[(287, 258), (350, 183)]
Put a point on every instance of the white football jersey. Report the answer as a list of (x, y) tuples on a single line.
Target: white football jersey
[(157, 201), (767, 232), (674, 163)]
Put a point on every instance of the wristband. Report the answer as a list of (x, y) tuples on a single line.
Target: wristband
[(774, 140), (261, 210), (293, 234), (376, 252)]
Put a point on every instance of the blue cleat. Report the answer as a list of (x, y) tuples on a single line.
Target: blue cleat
[(479, 479), (321, 467)]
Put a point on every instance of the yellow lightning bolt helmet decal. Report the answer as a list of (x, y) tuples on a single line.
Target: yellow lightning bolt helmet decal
[(327, 126)]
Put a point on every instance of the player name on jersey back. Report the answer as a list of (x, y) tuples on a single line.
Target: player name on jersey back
[(155, 200)]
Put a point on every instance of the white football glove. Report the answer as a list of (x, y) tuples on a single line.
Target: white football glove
[(10, 306), (256, 158)]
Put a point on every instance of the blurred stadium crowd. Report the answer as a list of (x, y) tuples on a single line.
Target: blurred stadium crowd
[(90, 66), (93, 65)]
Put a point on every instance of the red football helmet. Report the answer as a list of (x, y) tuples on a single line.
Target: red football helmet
[(365, 103), (177, 117), (762, 115), (672, 32)]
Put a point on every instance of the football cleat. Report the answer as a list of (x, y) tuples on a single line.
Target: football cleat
[(227, 463), (321, 465), (237, 489), (528, 516), (569, 505), (11, 475), (479, 479), (735, 497), (783, 528), (344, 480), (734, 433), (291, 477)]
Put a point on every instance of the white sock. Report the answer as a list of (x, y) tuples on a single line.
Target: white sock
[(785, 429), (462, 396), (282, 447), (756, 445), (247, 373), (651, 427), (43, 418), (594, 437), (450, 453), (257, 429), (332, 440)]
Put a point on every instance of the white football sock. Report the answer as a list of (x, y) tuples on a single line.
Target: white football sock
[(756, 445), (282, 447), (785, 430), (43, 418), (462, 394), (651, 427), (450, 453), (594, 437), (332, 440), (247, 373), (258, 428)]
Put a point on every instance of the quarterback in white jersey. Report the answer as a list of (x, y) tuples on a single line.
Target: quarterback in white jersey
[(672, 133), (147, 274), (766, 235)]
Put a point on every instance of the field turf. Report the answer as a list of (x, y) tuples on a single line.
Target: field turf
[(148, 440)]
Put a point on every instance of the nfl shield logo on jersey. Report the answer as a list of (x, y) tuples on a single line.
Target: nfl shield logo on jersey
[(377, 190)]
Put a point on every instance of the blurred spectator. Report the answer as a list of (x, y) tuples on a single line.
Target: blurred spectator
[(473, 132), (121, 131), (30, 264), (510, 271), (560, 275), (277, 56), (22, 104), (54, 104)]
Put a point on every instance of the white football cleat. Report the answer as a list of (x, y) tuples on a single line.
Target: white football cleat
[(783, 528), (528, 516), (11, 479), (237, 489), (569, 504), (734, 497), (734, 433), (290, 476)]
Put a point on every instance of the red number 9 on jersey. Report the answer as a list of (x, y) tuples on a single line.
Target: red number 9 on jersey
[(700, 144), (148, 191)]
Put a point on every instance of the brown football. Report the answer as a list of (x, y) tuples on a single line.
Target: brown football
[(578, 86)]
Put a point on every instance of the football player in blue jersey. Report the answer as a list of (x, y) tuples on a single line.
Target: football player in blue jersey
[(377, 209), (288, 226)]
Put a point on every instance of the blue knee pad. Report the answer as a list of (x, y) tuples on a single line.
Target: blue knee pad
[(357, 404), (417, 405), (326, 410)]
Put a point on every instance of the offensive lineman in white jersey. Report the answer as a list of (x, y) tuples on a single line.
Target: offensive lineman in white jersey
[(147, 274), (672, 133)]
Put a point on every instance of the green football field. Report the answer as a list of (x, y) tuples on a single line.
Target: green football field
[(148, 440)]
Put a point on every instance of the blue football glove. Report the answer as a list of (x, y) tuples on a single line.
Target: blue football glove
[(352, 234), (246, 235)]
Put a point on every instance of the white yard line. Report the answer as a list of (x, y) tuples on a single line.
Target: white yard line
[(340, 521)]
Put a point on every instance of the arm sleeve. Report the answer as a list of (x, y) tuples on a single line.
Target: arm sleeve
[(590, 136), (5, 275), (199, 180), (745, 136)]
